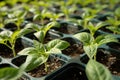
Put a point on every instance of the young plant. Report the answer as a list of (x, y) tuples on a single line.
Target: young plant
[(91, 44), (9, 38), (114, 25), (86, 17), (39, 53), (41, 31), (93, 28), (17, 17)]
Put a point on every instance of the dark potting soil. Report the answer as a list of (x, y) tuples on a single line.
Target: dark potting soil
[(51, 66), (73, 50), (110, 60), (114, 45)]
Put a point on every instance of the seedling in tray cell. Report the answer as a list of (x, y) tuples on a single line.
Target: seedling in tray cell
[(39, 53), (90, 46), (9, 38)]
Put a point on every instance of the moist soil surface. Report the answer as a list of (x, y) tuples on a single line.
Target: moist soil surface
[(51, 66)]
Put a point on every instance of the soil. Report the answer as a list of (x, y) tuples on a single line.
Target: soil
[(67, 28), (114, 45), (75, 49), (51, 66)]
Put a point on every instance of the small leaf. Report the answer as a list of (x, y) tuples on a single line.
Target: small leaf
[(14, 36), (97, 71), (48, 26), (39, 46), (40, 35), (5, 34), (103, 39), (84, 37), (90, 50), (57, 43)]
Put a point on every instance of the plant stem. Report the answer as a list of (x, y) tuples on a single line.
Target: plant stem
[(95, 57), (45, 66)]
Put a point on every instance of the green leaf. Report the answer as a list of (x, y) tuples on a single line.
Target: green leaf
[(54, 51), (103, 39), (33, 26), (48, 26), (90, 50), (114, 29), (22, 32), (57, 43), (5, 34), (84, 37), (39, 47), (34, 61), (97, 71), (9, 73), (14, 36), (40, 35), (117, 12), (27, 51)]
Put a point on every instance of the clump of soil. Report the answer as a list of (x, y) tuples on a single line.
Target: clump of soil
[(51, 66)]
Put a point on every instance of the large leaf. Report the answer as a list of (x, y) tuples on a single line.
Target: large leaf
[(57, 43), (97, 71), (90, 50), (9, 73), (34, 60), (103, 39), (84, 37)]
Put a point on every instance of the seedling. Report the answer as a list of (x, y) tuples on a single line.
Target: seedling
[(9, 38), (91, 44), (17, 17), (114, 25), (39, 53)]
